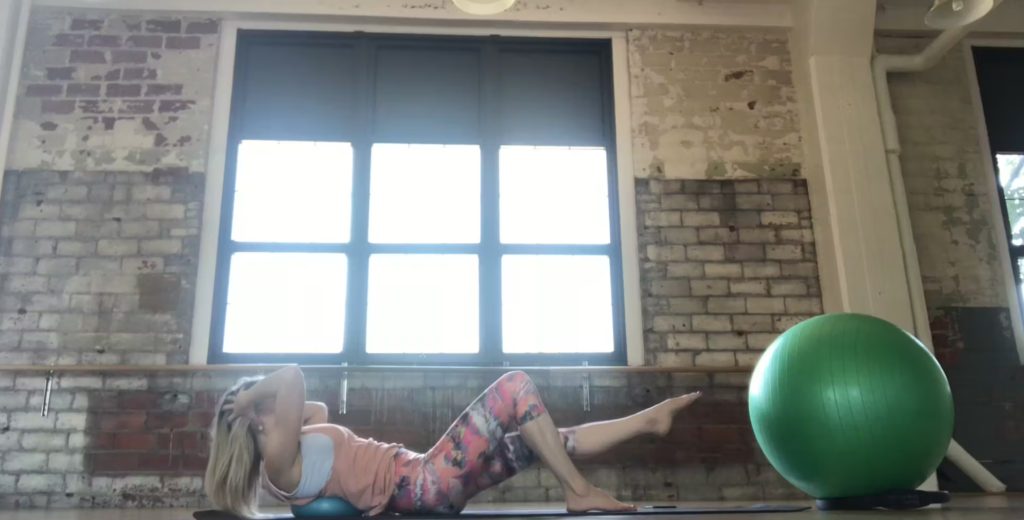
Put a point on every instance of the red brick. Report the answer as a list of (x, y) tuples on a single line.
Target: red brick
[(182, 42), (101, 441), (167, 421), (159, 462), (124, 90), (163, 89), (163, 25), (86, 24), (208, 26), (99, 401), (134, 441), (87, 56), (46, 90), (722, 434), (205, 401), (194, 463), (58, 106), (202, 420), (115, 462), (83, 90), (138, 106), (125, 421), (183, 442), (139, 400), (104, 40), (60, 73), (69, 40), (145, 41), (139, 73), (129, 56), (174, 106)]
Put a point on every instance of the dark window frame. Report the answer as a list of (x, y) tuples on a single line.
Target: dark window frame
[(1002, 110), (358, 249)]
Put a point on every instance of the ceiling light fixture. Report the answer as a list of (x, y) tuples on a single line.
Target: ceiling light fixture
[(484, 7)]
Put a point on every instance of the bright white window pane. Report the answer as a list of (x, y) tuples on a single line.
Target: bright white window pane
[(556, 304), (552, 195), (1011, 177), (292, 191), (423, 304), (286, 303), (425, 194)]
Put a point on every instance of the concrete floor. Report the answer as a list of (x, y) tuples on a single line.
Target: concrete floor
[(1005, 507)]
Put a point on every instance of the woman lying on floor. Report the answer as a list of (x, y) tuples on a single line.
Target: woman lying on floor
[(265, 432)]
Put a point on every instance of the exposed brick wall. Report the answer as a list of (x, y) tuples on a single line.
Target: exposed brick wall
[(727, 267), (955, 233), (138, 440), (99, 219), (114, 92), (713, 104)]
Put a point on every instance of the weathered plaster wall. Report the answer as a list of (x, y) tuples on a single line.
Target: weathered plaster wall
[(713, 105), (947, 191)]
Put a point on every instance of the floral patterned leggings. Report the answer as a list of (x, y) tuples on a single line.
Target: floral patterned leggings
[(480, 450)]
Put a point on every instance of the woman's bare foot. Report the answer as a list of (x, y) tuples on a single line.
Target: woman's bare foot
[(594, 499), (659, 417)]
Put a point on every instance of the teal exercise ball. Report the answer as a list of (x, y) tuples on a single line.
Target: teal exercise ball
[(326, 507), (847, 405)]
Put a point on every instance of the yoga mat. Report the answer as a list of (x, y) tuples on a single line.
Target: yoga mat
[(537, 513)]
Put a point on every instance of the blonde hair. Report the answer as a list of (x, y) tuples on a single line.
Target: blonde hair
[(233, 471)]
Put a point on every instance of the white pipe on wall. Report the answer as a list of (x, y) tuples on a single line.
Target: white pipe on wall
[(882, 65)]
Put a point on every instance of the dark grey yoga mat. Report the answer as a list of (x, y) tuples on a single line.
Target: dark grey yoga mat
[(541, 513)]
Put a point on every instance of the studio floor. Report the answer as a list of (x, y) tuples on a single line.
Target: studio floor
[(1008, 507)]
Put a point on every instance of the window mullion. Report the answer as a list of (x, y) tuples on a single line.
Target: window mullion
[(358, 271), (490, 253)]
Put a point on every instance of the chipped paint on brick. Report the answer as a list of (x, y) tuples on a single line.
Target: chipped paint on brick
[(117, 99), (713, 104), (947, 189)]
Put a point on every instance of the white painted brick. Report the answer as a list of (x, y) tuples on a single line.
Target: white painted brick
[(142, 265), (686, 270), (126, 383), (160, 247), (705, 253), (76, 247), (30, 382), (150, 192), (766, 305), (162, 211), (33, 483), (24, 461), (41, 340), (135, 485), (780, 218), (44, 441), (760, 341), (80, 382), (671, 323), (784, 251), (748, 359), (758, 236), (709, 323), (26, 284), (674, 359), (714, 270), (715, 359), (751, 287), (700, 218), (662, 219), (752, 323), (784, 323), (13, 400), (803, 305), (57, 266), (709, 287), (55, 229), (761, 270), (787, 287), (71, 421), (6, 380), (687, 305), (66, 462), (17, 265), (684, 236), (117, 247), (800, 270), (10, 440), (727, 305), (93, 266), (7, 483), (727, 341), (77, 441), (77, 483), (31, 421), (654, 253), (687, 341), (59, 400), (140, 229)]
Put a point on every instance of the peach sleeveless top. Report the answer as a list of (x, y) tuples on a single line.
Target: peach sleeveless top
[(362, 471)]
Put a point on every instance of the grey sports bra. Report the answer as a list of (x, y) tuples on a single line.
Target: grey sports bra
[(317, 464)]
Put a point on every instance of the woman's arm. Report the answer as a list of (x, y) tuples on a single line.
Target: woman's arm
[(314, 413), (287, 389)]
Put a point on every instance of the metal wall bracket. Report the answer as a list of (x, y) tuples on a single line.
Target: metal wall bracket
[(586, 390), (46, 394), (343, 392)]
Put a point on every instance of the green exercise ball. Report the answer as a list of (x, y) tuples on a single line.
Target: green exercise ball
[(847, 405), (326, 507)]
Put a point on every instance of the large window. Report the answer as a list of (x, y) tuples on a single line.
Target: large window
[(410, 200), (1000, 81)]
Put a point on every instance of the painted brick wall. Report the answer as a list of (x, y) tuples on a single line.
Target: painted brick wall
[(99, 218), (138, 440), (713, 104), (955, 233), (727, 267)]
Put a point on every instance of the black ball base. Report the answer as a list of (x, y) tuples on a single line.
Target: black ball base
[(891, 500)]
